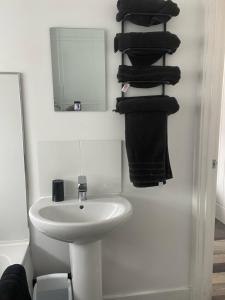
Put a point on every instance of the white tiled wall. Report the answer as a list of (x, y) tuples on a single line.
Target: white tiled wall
[(58, 160), (100, 161)]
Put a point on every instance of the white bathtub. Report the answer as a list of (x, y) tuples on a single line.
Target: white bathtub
[(16, 252)]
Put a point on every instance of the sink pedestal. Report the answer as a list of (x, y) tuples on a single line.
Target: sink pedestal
[(86, 269)]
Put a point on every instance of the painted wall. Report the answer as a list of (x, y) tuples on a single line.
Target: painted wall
[(152, 252)]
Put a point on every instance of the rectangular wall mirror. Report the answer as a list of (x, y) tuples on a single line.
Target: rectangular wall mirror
[(78, 68)]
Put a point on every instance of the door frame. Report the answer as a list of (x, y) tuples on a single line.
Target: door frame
[(205, 177)]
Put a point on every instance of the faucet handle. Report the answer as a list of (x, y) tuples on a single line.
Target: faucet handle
[(82, 179), (82, 183)]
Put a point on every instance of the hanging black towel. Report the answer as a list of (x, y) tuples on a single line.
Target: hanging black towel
[(145, 48), (148, 77), (146, 137), (13, 284), (142, 8)]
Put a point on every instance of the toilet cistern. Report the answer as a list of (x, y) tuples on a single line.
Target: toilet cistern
[(82, 188)]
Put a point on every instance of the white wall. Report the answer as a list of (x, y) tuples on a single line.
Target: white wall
[(152, 251)]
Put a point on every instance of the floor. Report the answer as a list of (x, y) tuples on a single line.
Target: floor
[(219, 262)]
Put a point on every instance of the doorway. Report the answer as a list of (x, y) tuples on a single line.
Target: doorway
[(205, 193), (218, 278)]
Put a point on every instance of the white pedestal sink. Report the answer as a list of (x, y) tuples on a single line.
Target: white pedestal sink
[(82, 227)]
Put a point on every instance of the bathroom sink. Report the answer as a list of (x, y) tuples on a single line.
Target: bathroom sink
[(75, 222), (82, 224)]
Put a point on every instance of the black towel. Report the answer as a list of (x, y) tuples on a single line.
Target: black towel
[(10, 290), (145, 48), (142, 8), (13, 284), (146, 137), (148, 77)]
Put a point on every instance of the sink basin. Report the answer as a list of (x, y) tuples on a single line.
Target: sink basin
[(82, 225), (74, 222)]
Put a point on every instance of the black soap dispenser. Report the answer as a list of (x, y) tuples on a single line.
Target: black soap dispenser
[(57, 190)]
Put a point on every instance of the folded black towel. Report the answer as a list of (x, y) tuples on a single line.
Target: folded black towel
[(148, 77), (145, 48), (146, 137), (142, 8), (14, 283)]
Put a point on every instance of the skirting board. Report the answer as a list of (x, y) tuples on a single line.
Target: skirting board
[(173, 294), (220, 213)]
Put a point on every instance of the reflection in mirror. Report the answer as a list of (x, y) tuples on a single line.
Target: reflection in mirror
[(78, 67)]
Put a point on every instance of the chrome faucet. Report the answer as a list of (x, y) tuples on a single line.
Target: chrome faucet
[(82, 188)]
